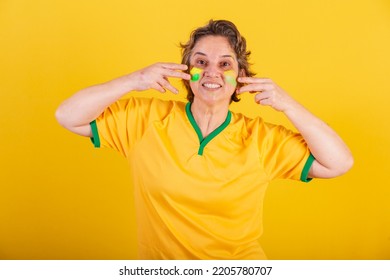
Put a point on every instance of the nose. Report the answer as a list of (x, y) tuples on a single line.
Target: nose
[(212, 71)]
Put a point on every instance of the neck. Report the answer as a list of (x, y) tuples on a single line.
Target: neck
[(208, 118)]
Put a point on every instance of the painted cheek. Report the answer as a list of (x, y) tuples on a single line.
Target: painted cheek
[(230, 77), (195, 74)]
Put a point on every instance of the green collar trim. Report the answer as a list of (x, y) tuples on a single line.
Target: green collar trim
[(204, 141)]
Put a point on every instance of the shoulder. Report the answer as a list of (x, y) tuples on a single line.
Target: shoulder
[(150, 101), (148, 104), (248, 124), (257, 126)]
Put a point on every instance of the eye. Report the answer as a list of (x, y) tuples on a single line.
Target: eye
[(201, 62), (225, 64)]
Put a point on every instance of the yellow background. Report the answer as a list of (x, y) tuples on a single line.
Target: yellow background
[(62, 199)]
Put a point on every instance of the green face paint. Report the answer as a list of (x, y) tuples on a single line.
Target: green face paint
[(195, 74), (230, 77)]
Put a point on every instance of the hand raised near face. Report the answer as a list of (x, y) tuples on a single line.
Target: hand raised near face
[(156, 77), (267, 92)]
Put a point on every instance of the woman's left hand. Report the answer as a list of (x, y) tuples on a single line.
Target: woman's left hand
[(332, 156), (267, 92)]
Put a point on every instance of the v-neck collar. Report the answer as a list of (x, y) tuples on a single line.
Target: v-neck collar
[(203, 141)]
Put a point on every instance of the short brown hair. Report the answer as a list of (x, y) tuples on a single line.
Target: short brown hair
[(237, 42)]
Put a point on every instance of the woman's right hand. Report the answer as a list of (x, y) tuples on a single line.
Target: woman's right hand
[(156, 77), (86, 105)]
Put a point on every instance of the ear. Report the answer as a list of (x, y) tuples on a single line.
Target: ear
[(241, 73)]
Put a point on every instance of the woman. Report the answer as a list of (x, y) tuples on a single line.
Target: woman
[(200, 171)]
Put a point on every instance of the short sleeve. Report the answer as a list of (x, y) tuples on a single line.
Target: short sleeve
[(125, 121), (284, 153)]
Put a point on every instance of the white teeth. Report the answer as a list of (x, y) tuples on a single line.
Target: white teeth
[(212, 85)]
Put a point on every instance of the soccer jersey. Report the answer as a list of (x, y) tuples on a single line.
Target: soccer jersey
[(195, 197)]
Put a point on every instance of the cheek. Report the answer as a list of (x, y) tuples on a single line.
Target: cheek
[(194, 85), (195, 74), (230, 77)]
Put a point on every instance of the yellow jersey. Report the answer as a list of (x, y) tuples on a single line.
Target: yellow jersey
[(199, 198)]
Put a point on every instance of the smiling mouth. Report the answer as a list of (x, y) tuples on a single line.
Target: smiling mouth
[(211, 85)]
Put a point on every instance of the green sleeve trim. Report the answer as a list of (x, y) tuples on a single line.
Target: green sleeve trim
[(306, 168), (95, 135)]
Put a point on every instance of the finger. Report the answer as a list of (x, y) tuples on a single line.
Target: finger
[(252, 88), (177, 74), (265, 102), (257, 98), (264, 98), (250, 80), (158, 87), (174, 66), (165, 84)]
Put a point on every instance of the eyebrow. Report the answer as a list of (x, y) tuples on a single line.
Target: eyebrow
[(225, 55), (200, 53)]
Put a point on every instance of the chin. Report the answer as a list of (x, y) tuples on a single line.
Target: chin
[(211, 98)]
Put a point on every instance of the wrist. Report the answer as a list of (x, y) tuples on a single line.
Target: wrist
[(123, 85), (292, 107)]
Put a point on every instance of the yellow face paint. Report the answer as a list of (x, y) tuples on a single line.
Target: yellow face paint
[(230, 77), (195, 74)]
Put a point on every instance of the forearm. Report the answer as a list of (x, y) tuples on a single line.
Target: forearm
[(332, 155), (79, 110)]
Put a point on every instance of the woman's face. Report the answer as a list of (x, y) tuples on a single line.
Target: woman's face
[(214, 70)]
